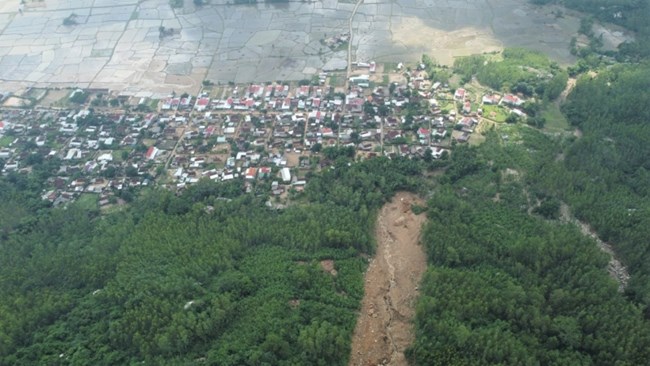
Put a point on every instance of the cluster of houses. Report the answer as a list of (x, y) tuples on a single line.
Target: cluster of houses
[(265, 135), (88, 152), (270, 132)]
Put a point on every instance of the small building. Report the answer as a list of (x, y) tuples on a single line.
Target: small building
[(151, 153), (286, 174)]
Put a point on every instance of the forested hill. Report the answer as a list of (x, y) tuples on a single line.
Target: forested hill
[(609, 180), (211, 276), (511, 284)]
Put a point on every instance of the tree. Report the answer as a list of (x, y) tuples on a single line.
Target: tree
[(512, 118), (109, 172), (79, 97), (131, 171), (368, 109), (354, 136), (316, 148)]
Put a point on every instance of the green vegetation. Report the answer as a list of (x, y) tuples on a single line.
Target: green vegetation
[(555, 120), (495, 113), (79, 97), (212, 274), (87, 202), (215, 276), (608, 166), (520, 71), (509, 287), (5, 141)]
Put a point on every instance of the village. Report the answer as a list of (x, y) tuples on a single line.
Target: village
[(101, 146)]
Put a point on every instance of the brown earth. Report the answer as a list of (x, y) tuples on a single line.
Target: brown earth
[(384, 327)]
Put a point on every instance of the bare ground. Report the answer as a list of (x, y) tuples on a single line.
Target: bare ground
[(384, 327)]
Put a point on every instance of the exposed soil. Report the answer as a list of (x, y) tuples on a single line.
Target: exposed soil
[(328, 266), (384, 327)]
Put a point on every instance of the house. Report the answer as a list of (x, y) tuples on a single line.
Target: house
[(202, 104), (512, 100), (467, 123), (151, 153), (361, 80), (5, 153), (423, 133), (73, 154), (223, 104), (326, 132), (263, 172), (440, 133), (285, 173), (392, 135), (355, 105), (303, 91), (250, 174), (184, 103), (255, 91), (268, 91), (11, 166), (519, 113), (286, 104), (437, 152), (459, 94), (170, 103), (464, 137), (491, 99), (467, 107)]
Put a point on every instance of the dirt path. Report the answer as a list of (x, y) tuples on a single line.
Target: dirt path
[(384, 327), (570, 84), (615, 268)]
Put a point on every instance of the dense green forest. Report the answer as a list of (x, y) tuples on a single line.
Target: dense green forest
[(508, 283), (511, 283), (215, 276), (212, 275), (604, 176)]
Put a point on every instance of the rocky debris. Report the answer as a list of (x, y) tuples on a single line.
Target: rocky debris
[(328, 266), (384, 329)]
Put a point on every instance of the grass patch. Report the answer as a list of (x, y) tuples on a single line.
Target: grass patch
[(555, 120), (87, 201), (117, 155), (337, 80), (385, 80), (5, 141), (495, 113), (476, 139), (390, 66), (449, 106)]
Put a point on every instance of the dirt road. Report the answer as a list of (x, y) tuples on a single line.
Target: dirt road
[(384, 328)]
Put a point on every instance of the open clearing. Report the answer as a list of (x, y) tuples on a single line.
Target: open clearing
[(148, 49), (384, 327)]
